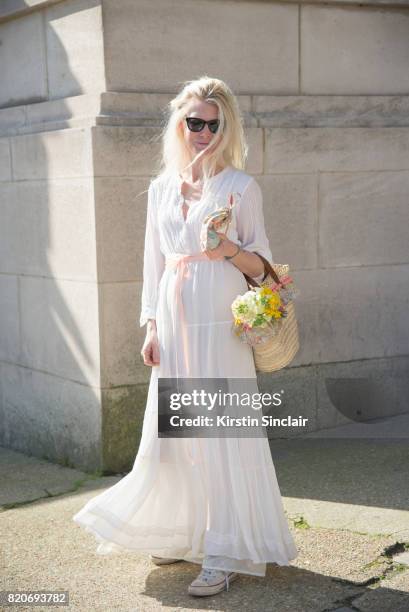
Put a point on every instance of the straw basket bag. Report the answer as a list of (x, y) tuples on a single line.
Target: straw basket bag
[(278, 351)]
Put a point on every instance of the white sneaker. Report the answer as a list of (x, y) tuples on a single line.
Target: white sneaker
[(210, 582), (163, 560)]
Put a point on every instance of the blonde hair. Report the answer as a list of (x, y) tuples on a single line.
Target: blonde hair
[(230, 147)]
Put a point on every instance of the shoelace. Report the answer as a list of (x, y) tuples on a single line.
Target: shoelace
[(206, 574)]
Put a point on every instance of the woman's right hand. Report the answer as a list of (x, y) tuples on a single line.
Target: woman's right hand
[(150, 349)]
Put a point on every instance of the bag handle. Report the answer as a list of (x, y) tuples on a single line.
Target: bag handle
[(268, 269)]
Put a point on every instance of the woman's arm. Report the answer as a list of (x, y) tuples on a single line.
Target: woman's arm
[(153, 262), (151, 325), (247, 262)]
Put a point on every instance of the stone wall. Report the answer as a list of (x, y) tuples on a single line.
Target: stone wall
[(324, 92)]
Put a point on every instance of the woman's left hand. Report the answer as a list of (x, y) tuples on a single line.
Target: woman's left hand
[(226, 247)]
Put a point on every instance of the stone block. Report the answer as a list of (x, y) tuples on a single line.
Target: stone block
[(126, 151), (350, 51), (290, 217), (122, 337), (352, 313), (363, 219), (254, 137), (375, 387), (50, 417), (144, 53), (24, 71), (60, 328), (122, 421), (10, 340), (297, 388), (5, 160), (74, 108), (332, 111), (11, 120), (56, 225), (336, 149), (75, 48), (48, 155), (120, 209)]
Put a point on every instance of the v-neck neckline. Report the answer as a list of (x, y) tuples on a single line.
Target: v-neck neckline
[(180, 180)]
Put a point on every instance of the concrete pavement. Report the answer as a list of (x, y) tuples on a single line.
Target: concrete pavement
[(347, 503)]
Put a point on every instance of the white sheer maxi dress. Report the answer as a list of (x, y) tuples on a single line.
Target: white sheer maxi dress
[(195, 497)]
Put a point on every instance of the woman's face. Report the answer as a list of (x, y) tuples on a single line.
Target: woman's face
[(197, 141)]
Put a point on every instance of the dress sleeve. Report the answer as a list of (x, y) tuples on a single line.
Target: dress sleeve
[(153, 260), (250, 223)]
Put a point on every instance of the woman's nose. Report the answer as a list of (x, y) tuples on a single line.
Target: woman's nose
[(206, 130)]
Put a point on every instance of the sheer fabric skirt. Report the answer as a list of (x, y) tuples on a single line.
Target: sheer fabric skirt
[(192, 498)]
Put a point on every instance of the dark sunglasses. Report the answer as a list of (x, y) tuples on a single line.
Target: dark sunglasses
[(196, 125)]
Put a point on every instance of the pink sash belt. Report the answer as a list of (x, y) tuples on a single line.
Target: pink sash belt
[(180, 261)]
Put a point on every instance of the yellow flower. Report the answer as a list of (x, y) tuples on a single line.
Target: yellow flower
[(266, 291), (273, 305), (275, 300), (272, 312)]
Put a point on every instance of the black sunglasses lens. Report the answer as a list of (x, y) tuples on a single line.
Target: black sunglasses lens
[(195, 125)]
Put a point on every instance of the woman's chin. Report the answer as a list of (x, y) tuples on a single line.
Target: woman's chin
[(205, 151)]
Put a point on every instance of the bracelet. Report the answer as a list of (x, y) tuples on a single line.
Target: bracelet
[(236, 253)]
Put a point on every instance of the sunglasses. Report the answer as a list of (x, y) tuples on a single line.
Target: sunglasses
[(197, 125)]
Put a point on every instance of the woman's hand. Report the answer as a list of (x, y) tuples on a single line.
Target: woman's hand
[(247, 262), (226, 247), (150, 349)]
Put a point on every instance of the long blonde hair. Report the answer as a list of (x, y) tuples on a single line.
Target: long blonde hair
[(229, 140)]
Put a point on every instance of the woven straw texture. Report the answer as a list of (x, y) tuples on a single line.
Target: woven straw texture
[(280, 350)]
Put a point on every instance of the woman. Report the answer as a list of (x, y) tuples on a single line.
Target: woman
[(211, 501)]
